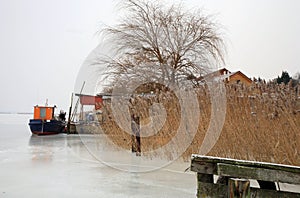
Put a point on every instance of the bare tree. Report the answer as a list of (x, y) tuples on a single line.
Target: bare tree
[(163, 43)]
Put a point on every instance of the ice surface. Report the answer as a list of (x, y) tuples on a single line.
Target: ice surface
[(61, 166)]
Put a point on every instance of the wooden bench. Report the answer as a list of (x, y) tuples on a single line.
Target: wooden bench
[(233, 178)]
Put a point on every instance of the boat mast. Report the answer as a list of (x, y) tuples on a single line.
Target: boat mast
[(69, 117)]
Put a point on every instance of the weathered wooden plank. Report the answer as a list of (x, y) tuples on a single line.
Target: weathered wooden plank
[(258, 173), (205, 178), (238, 188), (229, 168), (210, 190), (204, 167), (262, 193), (208, 159)]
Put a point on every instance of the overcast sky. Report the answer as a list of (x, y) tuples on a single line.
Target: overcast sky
[(43, 43)]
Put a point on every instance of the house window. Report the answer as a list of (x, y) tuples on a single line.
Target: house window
[(238, 81)]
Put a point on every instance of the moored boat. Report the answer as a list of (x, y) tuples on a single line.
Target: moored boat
[(45, 123)]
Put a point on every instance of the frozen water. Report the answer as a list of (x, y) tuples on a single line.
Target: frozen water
[(61, 166)]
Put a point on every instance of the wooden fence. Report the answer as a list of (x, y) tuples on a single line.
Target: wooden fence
[(233, 178)]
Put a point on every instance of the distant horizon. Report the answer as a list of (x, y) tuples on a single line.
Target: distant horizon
[(42, 103), (21, 113)]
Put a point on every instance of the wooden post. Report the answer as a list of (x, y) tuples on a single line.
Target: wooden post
[(205, 182), (135, 137), (238, 188)]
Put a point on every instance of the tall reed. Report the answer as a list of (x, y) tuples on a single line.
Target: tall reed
[(262, 123)]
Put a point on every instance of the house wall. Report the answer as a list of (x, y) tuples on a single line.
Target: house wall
[(238, 77)]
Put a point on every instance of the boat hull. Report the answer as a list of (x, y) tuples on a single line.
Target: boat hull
[(41, 127)]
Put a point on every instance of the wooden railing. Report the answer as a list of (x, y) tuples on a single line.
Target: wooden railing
[(233, 178)]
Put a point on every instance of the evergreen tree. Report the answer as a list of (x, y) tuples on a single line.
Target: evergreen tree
[(285, 78)]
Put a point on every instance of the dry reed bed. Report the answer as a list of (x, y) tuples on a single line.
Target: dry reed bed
[(262, 123)]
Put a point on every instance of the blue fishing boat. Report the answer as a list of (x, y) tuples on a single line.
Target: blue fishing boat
[(45, 123)]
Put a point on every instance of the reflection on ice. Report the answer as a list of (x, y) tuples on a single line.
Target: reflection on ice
[(41, 149)]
